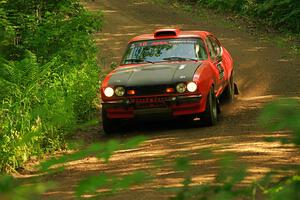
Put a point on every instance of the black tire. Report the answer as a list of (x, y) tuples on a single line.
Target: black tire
[(110, 126), (228, 94), (185, 120), (210, 116)]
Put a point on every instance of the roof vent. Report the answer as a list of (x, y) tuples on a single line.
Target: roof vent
[(166, 33)]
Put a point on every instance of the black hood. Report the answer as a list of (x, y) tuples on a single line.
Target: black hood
[(154, 74)]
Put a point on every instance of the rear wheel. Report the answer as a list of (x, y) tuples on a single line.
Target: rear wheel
[(210, 116), (110, 126)]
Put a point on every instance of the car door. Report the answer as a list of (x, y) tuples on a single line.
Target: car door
[(215, 52)]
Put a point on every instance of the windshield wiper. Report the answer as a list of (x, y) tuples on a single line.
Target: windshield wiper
[(179, 58), (137, 60)]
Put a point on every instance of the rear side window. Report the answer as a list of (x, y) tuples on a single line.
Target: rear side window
[(213, 47), (216, 46), (210, 48), (202, 55)]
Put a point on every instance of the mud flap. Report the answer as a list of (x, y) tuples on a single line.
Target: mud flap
[(236, 90), (218, 106)]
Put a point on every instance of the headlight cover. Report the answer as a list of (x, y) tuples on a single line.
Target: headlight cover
[(181, 87), (109, 92), (120, 91), (191, 86)]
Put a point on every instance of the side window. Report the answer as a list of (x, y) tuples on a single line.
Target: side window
[(211, 49), (200, 50), (216, 47)]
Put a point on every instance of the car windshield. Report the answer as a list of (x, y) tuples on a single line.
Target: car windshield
[(165, 50)]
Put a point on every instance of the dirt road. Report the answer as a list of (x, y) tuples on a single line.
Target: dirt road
[(264, 72)]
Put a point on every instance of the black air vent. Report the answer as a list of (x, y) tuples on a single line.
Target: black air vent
[(165, 33)]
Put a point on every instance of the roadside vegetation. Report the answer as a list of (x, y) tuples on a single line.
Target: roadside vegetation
[(282, 15), (48, 75), (271, 16)]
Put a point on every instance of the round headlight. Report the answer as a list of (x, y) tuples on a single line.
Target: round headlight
[(191, 87), (120, 91), (109, 92), (181, 87)]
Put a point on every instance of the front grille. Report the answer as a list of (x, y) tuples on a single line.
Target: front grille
[(149, 90)]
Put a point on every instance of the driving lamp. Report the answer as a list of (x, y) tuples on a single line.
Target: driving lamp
[(191, 87), (181, 87), (120, 91), (108, 92)]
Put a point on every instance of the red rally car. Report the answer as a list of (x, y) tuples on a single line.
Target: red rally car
[(171, 72)]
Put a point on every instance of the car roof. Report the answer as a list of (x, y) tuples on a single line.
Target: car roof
[(170, 34)]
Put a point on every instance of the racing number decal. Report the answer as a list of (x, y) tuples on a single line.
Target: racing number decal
[(221, 70)]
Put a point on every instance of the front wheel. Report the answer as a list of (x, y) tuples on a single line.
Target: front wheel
[(210, 115)]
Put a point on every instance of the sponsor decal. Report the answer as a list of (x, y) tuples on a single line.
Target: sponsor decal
[(161, 42)]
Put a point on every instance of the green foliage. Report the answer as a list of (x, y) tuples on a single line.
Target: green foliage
[(11, 189), (182, 164), (234, 5), (91, 184), (230, 174), (283, 115), (283, 15), (103, 151), (48, 75), (114, 184), (287, 188), (100, 150)]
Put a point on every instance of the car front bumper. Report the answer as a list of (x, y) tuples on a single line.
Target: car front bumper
[(154, 107)]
